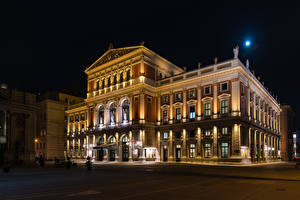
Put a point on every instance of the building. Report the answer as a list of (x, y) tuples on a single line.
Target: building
[(140, 106), (50, 141), (287, 129), (18, 125)]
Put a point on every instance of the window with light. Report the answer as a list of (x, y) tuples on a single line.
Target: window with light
[(192, 150), (224, 106), (178, 113), (207, 109), (207, 150), (166, 135), (192, 112), (224, 150)]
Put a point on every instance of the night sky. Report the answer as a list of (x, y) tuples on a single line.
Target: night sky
[(48, 46)]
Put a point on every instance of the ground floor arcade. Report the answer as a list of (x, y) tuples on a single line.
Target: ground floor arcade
[(194, 142)]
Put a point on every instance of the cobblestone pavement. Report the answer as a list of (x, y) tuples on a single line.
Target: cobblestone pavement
[(152, 181)]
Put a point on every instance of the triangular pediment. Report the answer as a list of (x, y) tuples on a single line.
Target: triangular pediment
[(112, 54)]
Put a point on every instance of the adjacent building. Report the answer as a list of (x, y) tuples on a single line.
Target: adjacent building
[(18, 125), (140, 106), (50, 139), (287, 130)]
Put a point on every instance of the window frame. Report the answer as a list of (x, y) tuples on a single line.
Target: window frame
[(204, 90), (227, 86), (192, 115), (224, 109), (206, 113), (192, 90)]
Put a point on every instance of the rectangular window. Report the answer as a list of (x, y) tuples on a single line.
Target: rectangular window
[(207, 109), (192, 112), (178, 135), (192, 93), (136, 99), (224, 87), (207, 150), (77, 118), (178, 96), (82, 117), (207, 90), (165, 98), (166, 135), (224, 131), (82, 128), (224, 106), (165, 115), (192, 150), (192, 133), (71, 119), (149, 99), (207, 132), (178, 113), (224, 150)]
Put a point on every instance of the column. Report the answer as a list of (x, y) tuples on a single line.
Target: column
[(235, 100), (78, 146), (130, 146), (215, 142), (184, 146), (130, 109), (158, 109), (249, 143), (171, 150), (236, 143), (171, 108), (142, 108), (198, 151), (215, 101), (184, 105), (117, 153), (159, 148), (199, 102), (259, 146), (254, 146)]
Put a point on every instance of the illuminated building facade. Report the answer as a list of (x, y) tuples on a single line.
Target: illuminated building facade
[(140, 106)]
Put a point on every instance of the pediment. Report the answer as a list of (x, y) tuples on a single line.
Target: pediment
[(110, 55)]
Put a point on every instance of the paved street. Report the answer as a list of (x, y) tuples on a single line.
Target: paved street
[(153, 181)]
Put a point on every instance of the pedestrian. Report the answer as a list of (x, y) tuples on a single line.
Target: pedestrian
[(42, 161)]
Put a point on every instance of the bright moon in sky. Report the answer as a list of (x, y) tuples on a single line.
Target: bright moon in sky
[(247, 43)]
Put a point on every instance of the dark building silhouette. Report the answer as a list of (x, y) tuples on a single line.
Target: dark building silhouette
[(286, 132)]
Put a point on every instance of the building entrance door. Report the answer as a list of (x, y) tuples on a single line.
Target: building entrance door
[(178, 154), (100, 154), (165, 155), (125, 151), (112, 155)]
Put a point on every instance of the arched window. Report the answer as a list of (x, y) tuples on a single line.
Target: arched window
[(112, 139), (101, 140), (112, 112), (101, 115), (128, 75), (108, 82), (125, 111), (103, 83), (125, 139), (115, 79), (121, 77)]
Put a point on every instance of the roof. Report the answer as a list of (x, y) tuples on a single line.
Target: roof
[(111, 55)]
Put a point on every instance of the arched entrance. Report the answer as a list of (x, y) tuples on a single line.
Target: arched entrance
[(111, 148), (100, 150), (125, 148)]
